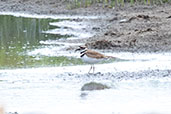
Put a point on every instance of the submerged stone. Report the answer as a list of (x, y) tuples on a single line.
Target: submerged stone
[(93, 86)]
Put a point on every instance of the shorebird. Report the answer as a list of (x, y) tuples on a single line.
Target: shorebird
[(91, 57)]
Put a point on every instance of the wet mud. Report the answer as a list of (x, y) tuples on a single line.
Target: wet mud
[(147, 30), (138, 28)]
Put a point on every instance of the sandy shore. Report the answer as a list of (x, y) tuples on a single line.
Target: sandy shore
[(138, 28)]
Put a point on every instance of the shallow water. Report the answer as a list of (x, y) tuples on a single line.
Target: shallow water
[(139, 85), (24, 40), (58, 90)]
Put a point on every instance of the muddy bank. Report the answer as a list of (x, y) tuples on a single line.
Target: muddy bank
[(138, 28), (143, 30)]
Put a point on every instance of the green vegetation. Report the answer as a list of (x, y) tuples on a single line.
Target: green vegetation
[(114, 3)]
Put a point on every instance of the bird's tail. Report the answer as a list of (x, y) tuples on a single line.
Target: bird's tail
[(110, 57)]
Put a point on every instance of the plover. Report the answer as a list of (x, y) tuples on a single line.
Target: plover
[(91, 57)]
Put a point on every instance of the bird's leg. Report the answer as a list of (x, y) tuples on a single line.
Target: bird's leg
[(90, 69), (93, 69)]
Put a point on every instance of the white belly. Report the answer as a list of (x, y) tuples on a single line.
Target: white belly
[(89, 60)]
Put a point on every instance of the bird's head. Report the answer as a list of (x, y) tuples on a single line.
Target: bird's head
[(81, 48)]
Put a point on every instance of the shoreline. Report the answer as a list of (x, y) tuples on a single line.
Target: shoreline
[(136, 28)]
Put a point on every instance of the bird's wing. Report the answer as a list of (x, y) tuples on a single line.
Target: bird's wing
[(94, 54)]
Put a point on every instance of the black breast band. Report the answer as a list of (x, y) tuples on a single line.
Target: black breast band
[(82, 55)]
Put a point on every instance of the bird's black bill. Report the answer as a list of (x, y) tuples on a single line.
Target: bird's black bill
[(77, 49)]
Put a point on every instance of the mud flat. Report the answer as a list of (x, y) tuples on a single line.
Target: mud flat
[(145, 29), (137, 28)]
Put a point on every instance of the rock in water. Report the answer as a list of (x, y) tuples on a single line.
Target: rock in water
[(94, 86)]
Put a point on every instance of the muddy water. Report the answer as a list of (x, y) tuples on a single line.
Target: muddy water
[(139, 85)]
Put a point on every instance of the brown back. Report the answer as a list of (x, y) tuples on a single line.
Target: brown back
[(94, 54)]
